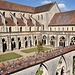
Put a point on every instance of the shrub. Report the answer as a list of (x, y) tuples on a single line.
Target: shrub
[(40, 46)]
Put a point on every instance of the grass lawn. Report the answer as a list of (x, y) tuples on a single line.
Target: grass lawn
[(9, 56), (34, 50)]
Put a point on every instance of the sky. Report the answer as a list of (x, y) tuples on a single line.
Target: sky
[(64, 5)]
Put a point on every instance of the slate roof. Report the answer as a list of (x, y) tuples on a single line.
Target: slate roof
[(63, 18)]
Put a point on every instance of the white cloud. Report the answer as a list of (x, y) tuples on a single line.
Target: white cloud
[(45, 2), (62, 6)]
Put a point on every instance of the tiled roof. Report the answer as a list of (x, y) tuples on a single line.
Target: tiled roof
[(63, 18), (29, 22), (9, 21), (37, 23), (22, 63), (20, 22), (19, 7), (45, 7), (15, 6), (1, 22)]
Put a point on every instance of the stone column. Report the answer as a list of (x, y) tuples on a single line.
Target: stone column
[(22, 40), (33, 40), (28, 41), (67, 40), (16, 42), (57, 41), (37, 39), (9, 43), (46, 40), (1, 48)]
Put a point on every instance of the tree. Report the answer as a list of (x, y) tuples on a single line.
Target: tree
[(40, 46)]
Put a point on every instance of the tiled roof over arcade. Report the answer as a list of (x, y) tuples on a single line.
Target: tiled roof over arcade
[(5, 5), (63, 18)]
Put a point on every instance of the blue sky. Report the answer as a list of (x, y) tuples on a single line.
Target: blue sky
[(64, 5)]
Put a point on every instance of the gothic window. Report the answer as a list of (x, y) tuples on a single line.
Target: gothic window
[(50, 29), (43, 27), (20, 29), (4, 14), (38, 17), (9, 29), (63, 29), (58, 29), (14, 14), (29, 28), (72, 28), (41, 17), (67, 28), (37, 28)]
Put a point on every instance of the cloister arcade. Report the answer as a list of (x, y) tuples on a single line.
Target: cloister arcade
[(23, 41)]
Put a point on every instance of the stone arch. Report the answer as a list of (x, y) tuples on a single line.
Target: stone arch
[(13, 44), (19, 43), (72, 41), (44, 39), (30, 41), (44, 69), (26, 42), (4, 45), (61, 67), (62, 41), (52, 41), (73, 64), (35, 38)]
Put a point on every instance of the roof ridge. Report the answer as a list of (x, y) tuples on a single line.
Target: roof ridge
[(45, 4)]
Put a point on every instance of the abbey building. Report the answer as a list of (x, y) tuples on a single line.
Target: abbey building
[(22, 26)]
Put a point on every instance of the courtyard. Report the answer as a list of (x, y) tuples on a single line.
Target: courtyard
[(8, 56)]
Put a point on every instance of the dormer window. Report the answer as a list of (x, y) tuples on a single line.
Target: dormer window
[(6, 22), (14, 14), (4, 14), (23, 14), (20, 29), (9, 29)]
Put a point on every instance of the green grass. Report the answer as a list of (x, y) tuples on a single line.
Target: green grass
[(9, 56), (39, 72), (34, 50)]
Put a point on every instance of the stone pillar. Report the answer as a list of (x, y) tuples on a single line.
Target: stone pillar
[(16, 42), (57, 41), (22, 40), (67, 40), (37, 39), (9, 43), (1, 47), (46, 40), (28, 41), (33, 40)]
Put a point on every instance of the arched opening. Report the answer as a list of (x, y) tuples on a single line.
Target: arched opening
[(62, 41), (44, 40), (74, 65), (52, 41), (20, 29), (35, 41), (30, 41), (61, 68), (26, 42), (42, 70), (10, 29), (72, 41), (4, 45), (19, 43), (13, 44)]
